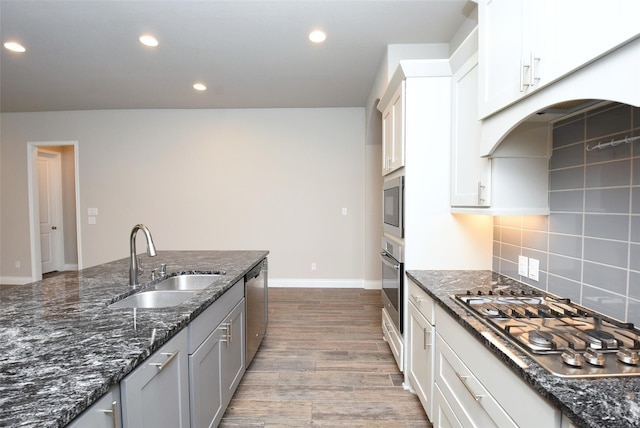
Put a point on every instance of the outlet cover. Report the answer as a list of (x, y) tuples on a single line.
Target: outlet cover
[(534, 267), (523, 266)]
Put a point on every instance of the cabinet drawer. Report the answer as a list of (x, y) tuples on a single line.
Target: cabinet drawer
[(422, 301), (393, 338), (201, 327), (468, 398)]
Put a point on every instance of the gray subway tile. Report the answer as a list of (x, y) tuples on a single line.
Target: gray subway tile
[(541, 256), (541, 283), (613, 200), (535, 222), (634, 260), (566, 223), (566, 200), (569, 132), (634, 284), (565, 267), (563, 287), (495, 264), (568, 156), (635, 228), (601, 123), (608, 226), (603, 301), (510, 252), (511, 221), (605, 277), (633, 311), (511, 236), (635, 200), (496, 248), (566, 245), (612, 253), (608, 174), (534, 239), (508, 268), (608, 153), (567, 179), (635, 167)]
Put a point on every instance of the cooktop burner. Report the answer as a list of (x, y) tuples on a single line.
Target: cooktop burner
[(563, 337)]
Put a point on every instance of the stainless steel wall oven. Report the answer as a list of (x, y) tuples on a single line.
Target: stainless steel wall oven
[(392, 280)]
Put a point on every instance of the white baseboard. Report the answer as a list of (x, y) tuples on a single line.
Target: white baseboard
[(325, 283), (15, 280)]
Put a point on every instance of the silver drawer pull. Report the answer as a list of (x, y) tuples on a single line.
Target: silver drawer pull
[(114, 413), (463, 379), (160, 366)]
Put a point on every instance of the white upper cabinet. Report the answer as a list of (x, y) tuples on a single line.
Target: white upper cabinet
[(393, 132), (527, 44)]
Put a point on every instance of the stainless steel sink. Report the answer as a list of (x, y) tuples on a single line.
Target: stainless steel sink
[(187, 282), (154, 299)]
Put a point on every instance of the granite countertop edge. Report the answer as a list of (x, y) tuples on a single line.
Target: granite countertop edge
[(590, 403), (66, 348)]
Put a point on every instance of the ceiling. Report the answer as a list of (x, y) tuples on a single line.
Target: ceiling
[(85, 54)]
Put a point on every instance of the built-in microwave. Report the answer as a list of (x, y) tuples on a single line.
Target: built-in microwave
[(393, 206)]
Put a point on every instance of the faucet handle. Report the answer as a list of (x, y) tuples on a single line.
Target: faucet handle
[(154, 273), (163, 269)]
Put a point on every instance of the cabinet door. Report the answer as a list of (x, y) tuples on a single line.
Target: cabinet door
[(156, 394), (205, 385), (420, 358), (500, 41), (470, 173), (104, 413), (232, 352), (393, 133), (443, 415)]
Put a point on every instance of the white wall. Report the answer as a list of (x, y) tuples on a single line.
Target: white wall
[(274, 179)]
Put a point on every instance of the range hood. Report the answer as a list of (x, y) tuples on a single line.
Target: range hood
[(614, 77)]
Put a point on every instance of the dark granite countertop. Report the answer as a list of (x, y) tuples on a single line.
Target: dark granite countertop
[(63, 348), (593, 403)]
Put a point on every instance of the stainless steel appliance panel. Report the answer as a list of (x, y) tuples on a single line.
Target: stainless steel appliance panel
[(393, 206), (256, 292), (392, 280)]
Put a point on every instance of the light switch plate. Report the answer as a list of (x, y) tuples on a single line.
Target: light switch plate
[(92, 211), (534, 267), (523, 266)]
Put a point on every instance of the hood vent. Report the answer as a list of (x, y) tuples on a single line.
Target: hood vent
[(568, 107)]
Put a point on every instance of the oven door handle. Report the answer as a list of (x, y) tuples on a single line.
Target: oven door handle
[(389, 261)]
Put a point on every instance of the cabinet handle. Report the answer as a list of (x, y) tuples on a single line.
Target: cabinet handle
[(417, 298), (160, 366), (463, 379), (230, 332), (227, 336), (523, 84), (532, 70), (424, 339), (114, 414), (480, 190)]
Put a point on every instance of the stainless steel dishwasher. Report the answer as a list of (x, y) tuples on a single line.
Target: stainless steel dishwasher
[(256, 293)]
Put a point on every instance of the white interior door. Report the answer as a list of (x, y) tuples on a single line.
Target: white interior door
[(50, 212)]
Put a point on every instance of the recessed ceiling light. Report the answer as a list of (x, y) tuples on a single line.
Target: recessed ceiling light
[(317, 36), (199, 87), (15, 47), (148, 40)]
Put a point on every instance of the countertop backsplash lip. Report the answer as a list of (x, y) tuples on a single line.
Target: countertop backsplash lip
[(593, 403), (64, 348)]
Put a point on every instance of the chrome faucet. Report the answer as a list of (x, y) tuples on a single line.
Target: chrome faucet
[(133, 261)]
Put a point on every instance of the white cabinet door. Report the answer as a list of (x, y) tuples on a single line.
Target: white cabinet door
[(232, 352), (393, 133), (420, 358), (470, 173), (104, 413), (156, 393), (527, 44)]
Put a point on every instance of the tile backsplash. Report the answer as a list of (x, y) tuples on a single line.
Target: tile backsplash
[(589, 245)]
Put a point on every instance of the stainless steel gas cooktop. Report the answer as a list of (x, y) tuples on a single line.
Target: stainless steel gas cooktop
[(563, 337)]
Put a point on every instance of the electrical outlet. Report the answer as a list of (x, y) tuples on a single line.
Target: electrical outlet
[(92, 220), (523, 266), (17, 264), (314, 266), (534, 267), (344, 211)]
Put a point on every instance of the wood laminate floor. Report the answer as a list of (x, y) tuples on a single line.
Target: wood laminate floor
[(324, 363)]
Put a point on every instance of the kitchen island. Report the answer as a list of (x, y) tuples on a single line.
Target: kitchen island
[(63, 348), (592, 402)]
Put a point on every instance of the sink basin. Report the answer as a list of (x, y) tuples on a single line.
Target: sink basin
[(154, 299), (187, 282)]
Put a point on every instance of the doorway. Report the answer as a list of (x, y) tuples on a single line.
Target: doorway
[(54, 207)]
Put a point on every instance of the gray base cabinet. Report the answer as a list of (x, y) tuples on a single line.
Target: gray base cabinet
[(216, 364), (156, 394), (104, 413)]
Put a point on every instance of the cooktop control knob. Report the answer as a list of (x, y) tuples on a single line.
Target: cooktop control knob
[(628, 356), (572, 358), (594, 357)]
